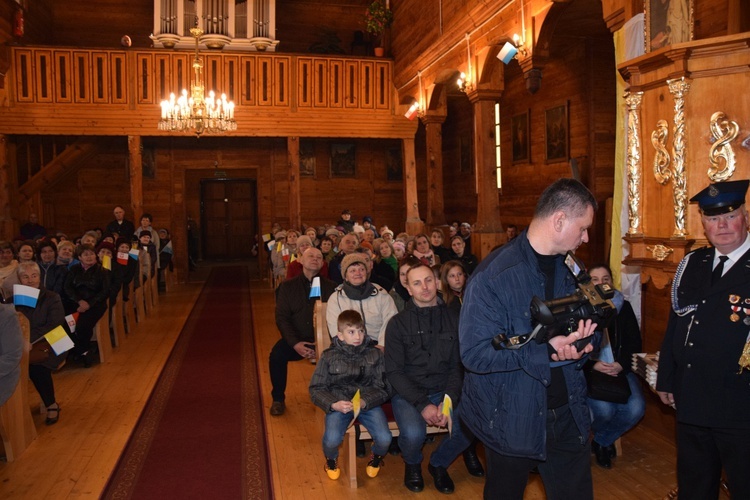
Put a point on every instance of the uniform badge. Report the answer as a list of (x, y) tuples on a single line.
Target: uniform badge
[(734, 299), (713, 192)]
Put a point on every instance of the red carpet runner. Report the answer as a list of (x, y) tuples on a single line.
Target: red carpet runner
[(201, 434)]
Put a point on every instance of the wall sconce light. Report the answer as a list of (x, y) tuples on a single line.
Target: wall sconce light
[(511, 50), (461, 82), (413, 111)]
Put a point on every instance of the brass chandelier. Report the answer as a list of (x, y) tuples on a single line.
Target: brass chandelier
[(197, 112)]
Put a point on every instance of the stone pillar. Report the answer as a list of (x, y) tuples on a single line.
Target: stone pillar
[(435, 200), (488, 230), (414, 224), (135, 150), (295, 218)]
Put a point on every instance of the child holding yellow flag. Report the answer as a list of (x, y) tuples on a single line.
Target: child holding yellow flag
[(349, 383)]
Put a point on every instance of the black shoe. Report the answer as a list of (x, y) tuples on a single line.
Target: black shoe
[(612, 450), (443, 481), (413, 477), (53, 414), (361, 451), (473, 465), (278, 408), (602, 455)]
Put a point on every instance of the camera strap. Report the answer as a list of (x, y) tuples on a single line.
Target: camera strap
[(502, 341)]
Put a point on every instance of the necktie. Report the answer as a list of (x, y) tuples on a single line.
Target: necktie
[(719, 269)]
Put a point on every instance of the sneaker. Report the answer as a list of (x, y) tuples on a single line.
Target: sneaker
[(374, 465), (277, 408), (332, 468)]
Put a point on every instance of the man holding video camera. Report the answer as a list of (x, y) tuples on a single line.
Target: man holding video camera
[(525, 400)]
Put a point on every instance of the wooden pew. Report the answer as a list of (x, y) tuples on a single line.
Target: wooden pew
[(128, 309), (103, 340), (117, 319), (148, 301), (16, 425), (154, 290), (349, 448)]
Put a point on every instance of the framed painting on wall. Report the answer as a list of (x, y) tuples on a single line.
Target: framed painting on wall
[(667, 22), (519, 126), (307, 158), (394, 164), (343, 160), (556, 133)]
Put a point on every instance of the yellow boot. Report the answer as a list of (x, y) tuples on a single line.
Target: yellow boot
[(332, 468)]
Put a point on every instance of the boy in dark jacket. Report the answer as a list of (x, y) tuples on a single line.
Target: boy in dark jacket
[(352, 364)]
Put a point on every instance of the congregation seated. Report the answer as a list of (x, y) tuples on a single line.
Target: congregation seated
[(458, 245), (8, 262), (146, 227), (87, 291), (436, 243), (147, 255), (126, 267), (326, 247), (347, 245), (66, 254), (453, 283), (359, 293), (286, 246), (294, 268), (45, 316), (26, 253), (381, 273), (166, 256), (52, 274)]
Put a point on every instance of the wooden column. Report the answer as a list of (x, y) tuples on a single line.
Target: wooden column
[(488, 230), (414, 224), (136, 177), (435, 199), (6, 220), (292, 146)]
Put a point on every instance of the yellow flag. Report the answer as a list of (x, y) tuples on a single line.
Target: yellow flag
[(59, 340), (448, 412), (107, 262), (356, 403)]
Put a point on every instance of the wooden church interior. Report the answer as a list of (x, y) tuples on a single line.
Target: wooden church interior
[(79, 135)]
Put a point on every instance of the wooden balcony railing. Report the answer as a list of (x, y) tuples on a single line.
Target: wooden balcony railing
[(92, 85)]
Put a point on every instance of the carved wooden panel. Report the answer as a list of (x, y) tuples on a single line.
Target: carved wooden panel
[(336, 82), (351, 84), (281, 81), (162, 75), (247, 81), (63, 76), (100, 77), (24, 76), (320, 83), (119, 78), (43, 75), (382, 86), (366, 79), (265, 81), (304, 82), (81, 77)]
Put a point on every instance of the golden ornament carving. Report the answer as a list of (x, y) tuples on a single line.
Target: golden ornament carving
[(633, 101), (679, 88), (660, 252), (661, 159), (721, 155)]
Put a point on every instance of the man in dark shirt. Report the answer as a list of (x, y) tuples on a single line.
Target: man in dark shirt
[(120, 227), (32, 229), (294, 319)]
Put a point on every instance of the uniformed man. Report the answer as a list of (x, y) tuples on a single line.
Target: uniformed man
[(703, 371)]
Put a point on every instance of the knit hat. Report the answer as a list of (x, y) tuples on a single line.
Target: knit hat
[(353, 258), (280, 235), (304, 239), (358, 228), (387, 231), (333, 232), (367, 218), (367, 244), (106, 245), (399, 244)]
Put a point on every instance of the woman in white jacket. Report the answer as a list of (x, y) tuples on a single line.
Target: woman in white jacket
[(358, 293)]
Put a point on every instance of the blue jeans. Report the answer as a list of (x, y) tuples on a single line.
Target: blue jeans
[(609, 421), (373, 419), (413, 430)]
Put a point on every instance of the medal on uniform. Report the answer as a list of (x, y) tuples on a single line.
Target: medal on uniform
[(745, 357), (734, 299), (734, 317), (746, 319)]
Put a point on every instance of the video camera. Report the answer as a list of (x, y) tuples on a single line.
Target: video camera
[(560, 316)]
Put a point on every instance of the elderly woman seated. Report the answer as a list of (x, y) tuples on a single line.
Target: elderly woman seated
[(26, 253), (43, 318), (8, 262), (87, 288)]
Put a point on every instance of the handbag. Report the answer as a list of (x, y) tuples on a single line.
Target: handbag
[(40, 352), (608, 388)]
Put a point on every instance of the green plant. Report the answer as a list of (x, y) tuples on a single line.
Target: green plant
[(377, 18)]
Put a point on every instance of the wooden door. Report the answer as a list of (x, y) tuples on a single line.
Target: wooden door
[(228, 209)]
